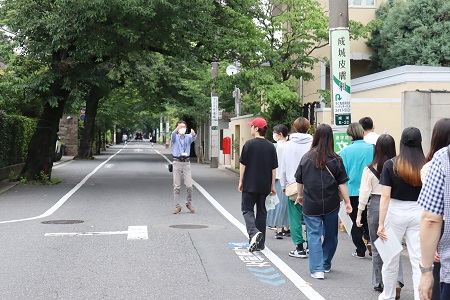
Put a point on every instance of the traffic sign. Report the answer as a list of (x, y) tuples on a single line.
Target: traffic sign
[(83, 110), (82, 117)]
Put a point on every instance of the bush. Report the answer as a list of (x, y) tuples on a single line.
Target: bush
[(15, 135)]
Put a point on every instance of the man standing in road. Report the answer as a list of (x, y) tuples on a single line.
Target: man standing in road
[(258, 164), (435, 199), (370, 136), (181, 148)]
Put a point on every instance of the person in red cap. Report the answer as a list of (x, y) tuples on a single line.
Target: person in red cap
[(258, 164)]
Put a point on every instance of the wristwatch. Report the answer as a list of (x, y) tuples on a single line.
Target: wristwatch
[(425, 270)]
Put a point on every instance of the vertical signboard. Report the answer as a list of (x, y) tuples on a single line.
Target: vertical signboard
[(340, 68), (214, 126)]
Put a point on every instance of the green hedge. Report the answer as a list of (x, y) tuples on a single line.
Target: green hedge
[(15, 135)]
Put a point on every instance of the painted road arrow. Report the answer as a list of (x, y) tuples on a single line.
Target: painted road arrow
[(273, 276), (274, 283), (133, 232), (262, 270)]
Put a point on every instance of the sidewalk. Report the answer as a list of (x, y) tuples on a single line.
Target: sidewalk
[(6, 184)]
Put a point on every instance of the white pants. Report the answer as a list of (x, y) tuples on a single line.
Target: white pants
[(403, 217)]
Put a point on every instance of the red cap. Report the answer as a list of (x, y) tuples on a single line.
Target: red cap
[(258, 122)]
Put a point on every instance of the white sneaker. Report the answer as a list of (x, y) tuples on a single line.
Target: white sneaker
[(318, 275), (254, 241)]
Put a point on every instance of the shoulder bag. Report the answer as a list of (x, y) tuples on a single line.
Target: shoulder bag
[(291, 191), (339, 191)]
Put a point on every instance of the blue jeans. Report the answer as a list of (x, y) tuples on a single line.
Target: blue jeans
[(321, 253)]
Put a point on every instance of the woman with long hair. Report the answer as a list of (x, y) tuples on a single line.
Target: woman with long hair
[(371, 187), (278, 217), (399, 210), (299, 143), (440, 138), (320, 177)]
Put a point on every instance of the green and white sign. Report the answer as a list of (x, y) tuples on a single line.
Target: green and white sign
[(340, 58), (341, 140)]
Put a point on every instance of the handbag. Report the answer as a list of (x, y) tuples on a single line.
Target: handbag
[(339, 191), (170, 167), (291, 191)]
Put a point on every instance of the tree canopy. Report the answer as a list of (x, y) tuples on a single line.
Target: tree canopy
[(411, 32)]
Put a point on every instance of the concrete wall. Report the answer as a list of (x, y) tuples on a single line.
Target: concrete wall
[(68, 133), (422, 109)]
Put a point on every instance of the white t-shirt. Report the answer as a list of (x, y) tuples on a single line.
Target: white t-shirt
[(371, 138)]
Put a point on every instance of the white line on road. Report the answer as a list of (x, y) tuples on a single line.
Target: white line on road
[(134, 233), (66, 197), (299, 282)]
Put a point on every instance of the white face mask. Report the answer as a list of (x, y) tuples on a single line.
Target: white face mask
[(275, 137), (182, 130)]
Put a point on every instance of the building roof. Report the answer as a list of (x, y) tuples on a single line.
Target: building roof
[(401, 75)]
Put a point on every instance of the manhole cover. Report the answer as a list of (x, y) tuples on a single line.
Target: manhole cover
[(63, 222), (188, 226)]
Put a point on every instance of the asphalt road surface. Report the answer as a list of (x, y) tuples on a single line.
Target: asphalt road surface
[(108, 232)]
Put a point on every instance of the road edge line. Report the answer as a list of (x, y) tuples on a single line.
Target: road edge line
[(298, 281)]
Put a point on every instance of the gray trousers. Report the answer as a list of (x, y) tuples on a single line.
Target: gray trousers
[(182, 170), (373, 214)]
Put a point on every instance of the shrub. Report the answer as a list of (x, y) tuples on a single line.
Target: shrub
[(15, 135)]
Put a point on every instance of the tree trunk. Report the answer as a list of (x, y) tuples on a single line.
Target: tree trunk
[(87, 136), (41, 149)]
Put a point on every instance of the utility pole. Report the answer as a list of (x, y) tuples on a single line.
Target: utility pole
[(340, 63), (167, 131), (214, 119), (160, 129)]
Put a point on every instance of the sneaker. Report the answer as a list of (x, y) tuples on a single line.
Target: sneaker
[(286, 232), (354, 254), (279, 235), (369, 248), (298, 253), (190, 207), (328, 270), (378, 288), (177, 210), (318, 275), (254, 241), (272, 227)]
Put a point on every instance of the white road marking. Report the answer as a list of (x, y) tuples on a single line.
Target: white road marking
[(138, 150), (109, 166), (62, 164), (66, 197), (299, 282), (134, 233), (137, 233)]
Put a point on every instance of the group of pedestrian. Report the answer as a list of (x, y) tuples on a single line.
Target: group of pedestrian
[(383, 193), (387, 195)]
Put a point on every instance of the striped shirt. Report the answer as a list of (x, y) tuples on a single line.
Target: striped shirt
[(435, 198)]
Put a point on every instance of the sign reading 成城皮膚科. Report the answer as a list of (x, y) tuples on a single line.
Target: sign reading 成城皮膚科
[(340, 58)]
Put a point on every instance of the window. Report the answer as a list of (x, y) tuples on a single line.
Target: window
[(361, 3)]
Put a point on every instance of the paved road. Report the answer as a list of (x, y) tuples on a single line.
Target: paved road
[(127, 244)]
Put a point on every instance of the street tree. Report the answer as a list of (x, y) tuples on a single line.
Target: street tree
[(290, 33), (411, 32), (82, 43)]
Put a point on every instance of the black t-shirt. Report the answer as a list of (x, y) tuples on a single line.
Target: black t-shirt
[(259, 157), (400, 189), (320, 189)]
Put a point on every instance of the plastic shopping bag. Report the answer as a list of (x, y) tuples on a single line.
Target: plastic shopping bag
[(271, 201)]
